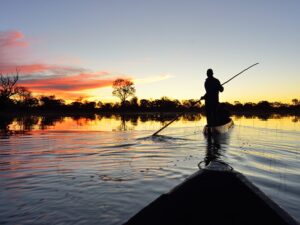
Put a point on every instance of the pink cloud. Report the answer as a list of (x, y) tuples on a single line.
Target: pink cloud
[(31, 68), (39, 68), (10, 39), (12, 47), (14, 52), (46, 78)]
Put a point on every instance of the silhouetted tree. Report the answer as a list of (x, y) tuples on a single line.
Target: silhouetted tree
[(238, 106), (76, 105), (89, 105), (248, 106), (30, 102), (107, 106), (134, 103), (126, 104), (50, 102), (22, 93), (145, 104), (26, 99), (116, 105), (190, 104), (295, 101), (99, 104), (8, 89), (8, 85), (123, 89), (10, 93), (264, 105)]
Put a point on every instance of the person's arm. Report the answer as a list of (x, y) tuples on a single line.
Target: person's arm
[(221, 88)]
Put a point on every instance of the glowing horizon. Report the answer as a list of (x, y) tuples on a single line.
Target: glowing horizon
[(165, 50)]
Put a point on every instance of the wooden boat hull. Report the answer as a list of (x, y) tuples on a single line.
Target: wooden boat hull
[(214, 197), (218, 129)]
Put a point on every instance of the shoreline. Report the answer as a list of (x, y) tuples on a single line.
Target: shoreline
[(163, 113)]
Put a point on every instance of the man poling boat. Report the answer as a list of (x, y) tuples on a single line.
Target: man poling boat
[(212, 87), (227, 123), (216, 194), (218, 120)]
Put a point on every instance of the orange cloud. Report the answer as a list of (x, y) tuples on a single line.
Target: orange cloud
[(67, 96), (76, 82)]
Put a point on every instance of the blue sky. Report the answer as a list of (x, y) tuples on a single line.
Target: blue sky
[(166, 46)]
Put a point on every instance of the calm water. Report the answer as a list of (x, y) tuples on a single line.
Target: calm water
[(102, 170)]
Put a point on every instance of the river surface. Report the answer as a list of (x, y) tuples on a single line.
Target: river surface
[(103, 169)]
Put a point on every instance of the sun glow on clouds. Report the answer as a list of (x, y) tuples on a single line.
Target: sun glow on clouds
[(70, 86), (42, 78), (67, 82)]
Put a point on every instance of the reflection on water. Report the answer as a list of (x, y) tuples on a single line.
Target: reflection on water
[(102, 169), (215, 147), (10, 124)]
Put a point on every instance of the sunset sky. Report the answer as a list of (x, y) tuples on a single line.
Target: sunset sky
[(76, 48)]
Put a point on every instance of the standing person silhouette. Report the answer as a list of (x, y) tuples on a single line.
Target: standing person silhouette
[(211, 97)]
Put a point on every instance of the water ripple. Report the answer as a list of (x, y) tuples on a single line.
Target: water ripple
[(92, 177)]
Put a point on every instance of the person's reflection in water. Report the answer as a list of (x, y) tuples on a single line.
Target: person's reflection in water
[(215, 148)]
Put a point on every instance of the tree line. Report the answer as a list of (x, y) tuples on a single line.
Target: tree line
[(20, 99)]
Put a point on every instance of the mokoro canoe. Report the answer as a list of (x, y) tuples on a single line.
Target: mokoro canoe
[(221, 129), (215, 197)]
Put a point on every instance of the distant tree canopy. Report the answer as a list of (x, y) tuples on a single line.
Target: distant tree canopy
[(50, 102), (19, 99), (295, 101), (123, 89)]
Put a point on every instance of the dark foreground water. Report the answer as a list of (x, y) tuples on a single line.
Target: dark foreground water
[(102, 170)]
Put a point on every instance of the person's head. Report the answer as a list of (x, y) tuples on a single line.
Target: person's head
[(210, 73)]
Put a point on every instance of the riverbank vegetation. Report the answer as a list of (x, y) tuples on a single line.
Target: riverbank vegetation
[(17, 99)]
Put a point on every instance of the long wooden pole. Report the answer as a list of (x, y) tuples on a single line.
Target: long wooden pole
[(173, 120), (200, 100), (240, 73)]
